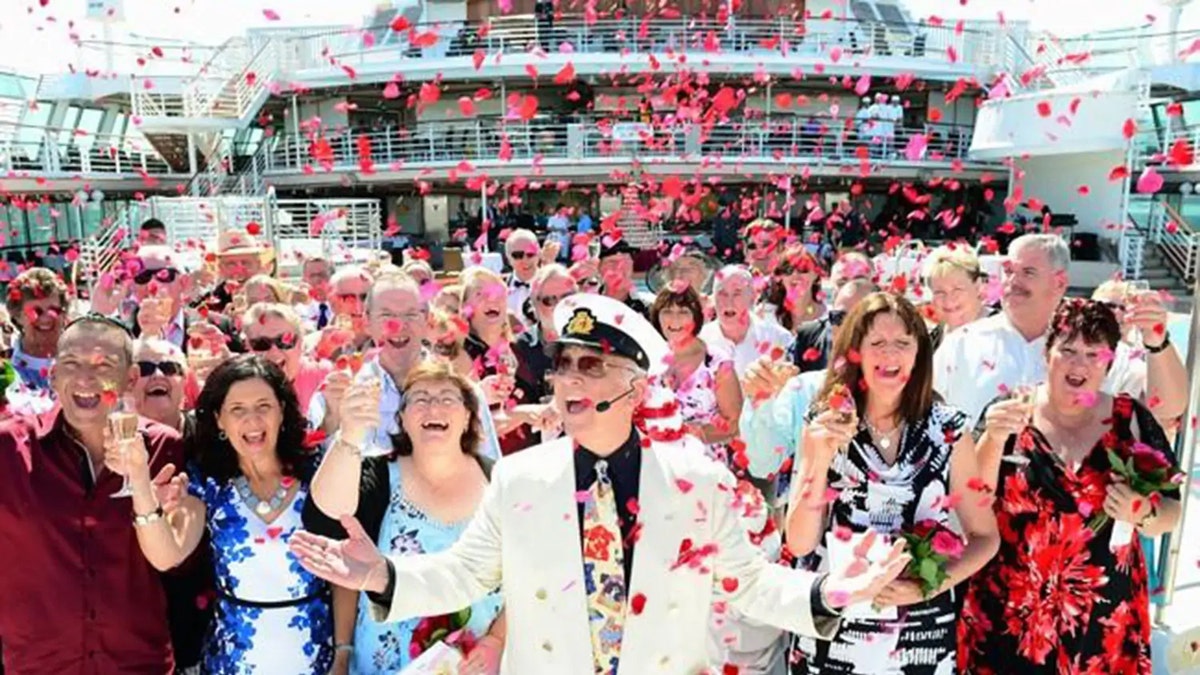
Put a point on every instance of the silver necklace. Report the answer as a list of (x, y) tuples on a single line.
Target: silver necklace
[(884, 441), (251, 500)]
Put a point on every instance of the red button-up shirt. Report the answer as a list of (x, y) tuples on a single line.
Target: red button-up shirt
[(76, 594)]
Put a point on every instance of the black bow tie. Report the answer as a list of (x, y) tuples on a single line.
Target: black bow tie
[(517, 283)]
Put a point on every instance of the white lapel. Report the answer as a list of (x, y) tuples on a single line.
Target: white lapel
[(661, 514), (554, 560)]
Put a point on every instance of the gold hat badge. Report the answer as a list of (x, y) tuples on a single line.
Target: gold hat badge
[(582, 323)]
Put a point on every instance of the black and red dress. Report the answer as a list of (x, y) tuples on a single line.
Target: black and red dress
[(1056, 599)]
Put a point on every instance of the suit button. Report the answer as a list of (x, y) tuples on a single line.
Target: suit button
[(547, 646)]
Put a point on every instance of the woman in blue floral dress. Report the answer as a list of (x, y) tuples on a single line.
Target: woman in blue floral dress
[(418, 500), (249, 488)]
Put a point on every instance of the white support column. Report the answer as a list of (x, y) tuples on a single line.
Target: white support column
[(192, 168), (483, 214)]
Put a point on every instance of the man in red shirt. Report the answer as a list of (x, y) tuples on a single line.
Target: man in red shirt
[(78, 597)]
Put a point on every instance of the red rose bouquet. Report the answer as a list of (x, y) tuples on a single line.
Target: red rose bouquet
[(434, 629), (932, 547), (1147, 472)]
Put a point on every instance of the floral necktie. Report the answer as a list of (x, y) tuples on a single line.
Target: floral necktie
[(603, 572)]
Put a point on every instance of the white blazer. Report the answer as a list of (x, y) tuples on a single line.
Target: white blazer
[(525, 540)]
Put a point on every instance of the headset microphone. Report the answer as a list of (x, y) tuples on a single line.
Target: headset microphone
[(603, 406)]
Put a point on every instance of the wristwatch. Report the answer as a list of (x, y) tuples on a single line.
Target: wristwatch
[(1160, 348), (152, 517)]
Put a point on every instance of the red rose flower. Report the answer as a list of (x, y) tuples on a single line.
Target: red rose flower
[(1147, 460)]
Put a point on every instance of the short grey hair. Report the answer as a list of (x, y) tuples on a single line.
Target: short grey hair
[(161, 346), (1054, 246), (546, 273), (393, 280), (517, 236), (351, 272), (731, 272)]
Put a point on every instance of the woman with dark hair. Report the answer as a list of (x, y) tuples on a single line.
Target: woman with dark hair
[(418, 499), (248, 487), (1070, 596), (793, 296), (880, 452)]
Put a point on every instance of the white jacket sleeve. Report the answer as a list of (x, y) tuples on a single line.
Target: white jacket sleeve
[(432, 585), (767, 593)]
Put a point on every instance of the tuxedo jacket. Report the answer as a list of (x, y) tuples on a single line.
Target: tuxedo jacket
[(525, 540)]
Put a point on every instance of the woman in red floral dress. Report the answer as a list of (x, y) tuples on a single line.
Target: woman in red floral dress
[(1058, 597)]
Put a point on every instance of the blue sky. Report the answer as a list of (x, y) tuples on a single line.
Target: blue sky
[(26, 34)]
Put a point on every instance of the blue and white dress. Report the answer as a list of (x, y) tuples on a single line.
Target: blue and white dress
[(272, 616), (407, 530)]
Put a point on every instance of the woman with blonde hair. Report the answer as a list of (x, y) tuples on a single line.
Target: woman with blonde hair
[(956, 284), (276, 332)]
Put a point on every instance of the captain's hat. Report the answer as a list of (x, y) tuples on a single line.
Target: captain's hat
[(611, 326)]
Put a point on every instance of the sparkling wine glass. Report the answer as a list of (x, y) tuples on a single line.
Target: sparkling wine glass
[(123, 426)]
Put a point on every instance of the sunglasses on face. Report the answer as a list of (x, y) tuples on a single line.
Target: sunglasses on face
[(165, 275), (592, 282), (521, 255), (168, 368), (592, 366), (264, 344), (836, 317), (1116, 307), (351, 297), (549, 301)]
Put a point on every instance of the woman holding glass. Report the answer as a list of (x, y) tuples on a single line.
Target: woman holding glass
[(417, 500), (879, 453), (1066, 593), (248, 487), (794, 294)]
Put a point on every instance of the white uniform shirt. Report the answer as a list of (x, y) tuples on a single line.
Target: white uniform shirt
[(760, 339), (989, 357)]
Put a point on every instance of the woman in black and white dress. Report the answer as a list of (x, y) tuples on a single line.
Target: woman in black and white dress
[(880, 453)]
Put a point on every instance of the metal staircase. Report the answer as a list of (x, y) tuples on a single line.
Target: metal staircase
[(1161, 247), (635, 228)]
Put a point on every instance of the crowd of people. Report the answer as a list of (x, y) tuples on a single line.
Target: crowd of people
[(782, 466)]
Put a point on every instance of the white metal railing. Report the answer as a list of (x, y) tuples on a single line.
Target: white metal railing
[(27, 149), (942, 45), (496, 140), (200, 220), (1175, 239), (334, 228), (102, 251), (1131, 251)]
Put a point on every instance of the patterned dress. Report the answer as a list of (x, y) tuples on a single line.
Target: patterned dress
[(1056, 598), (272, 616), (406, 530), (891, 499)]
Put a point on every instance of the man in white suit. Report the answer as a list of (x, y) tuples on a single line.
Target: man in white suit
[(540, 534)]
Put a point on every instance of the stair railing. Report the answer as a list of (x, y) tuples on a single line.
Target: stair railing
[(1176, 239)]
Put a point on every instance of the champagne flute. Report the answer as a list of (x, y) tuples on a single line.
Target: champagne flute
[(123, 427), (1027, 396)]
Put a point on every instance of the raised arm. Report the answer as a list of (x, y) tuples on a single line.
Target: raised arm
[(166, 539), (823, 439), (335, 486)]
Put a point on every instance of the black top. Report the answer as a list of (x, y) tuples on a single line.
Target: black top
[(625, 471), (374, 494), (816, 335), (637, 305), (533, 366)]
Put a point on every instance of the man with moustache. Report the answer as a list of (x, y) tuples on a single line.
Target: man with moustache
[(610, 545), (995, 355), (524, 255), (78, 596), (347, 331), (240, 256)]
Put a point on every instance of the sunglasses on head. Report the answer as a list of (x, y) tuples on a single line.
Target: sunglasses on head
[(1114, 306), (589, 365), (264, 344), (521, 255), (168, 368), (165, 275)]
